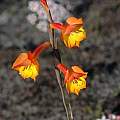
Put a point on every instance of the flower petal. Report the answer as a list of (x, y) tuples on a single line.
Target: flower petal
[(66, 76), (74, 21), (62, 68), (21, 60), (77, 69), (58, 26), (30, 71), (44, 2), (45, 5), (76, 85)]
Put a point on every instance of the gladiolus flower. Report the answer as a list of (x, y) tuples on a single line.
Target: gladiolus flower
[(27, 64), (72, 33), (74, 78)]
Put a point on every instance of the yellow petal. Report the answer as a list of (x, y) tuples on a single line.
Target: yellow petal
[(78, 35), (76, 85), (82, 83), (77, 43), (30, 71), (71, 41), (74, 38)]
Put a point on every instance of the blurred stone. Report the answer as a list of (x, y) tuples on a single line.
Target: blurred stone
[(32, 18), (4, 18), (59, 13)]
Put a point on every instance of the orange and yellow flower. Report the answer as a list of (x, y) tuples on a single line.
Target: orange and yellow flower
[(26, 63), (72, 33), (26, 66), (74, 78)]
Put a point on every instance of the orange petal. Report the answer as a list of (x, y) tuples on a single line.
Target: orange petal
[(66, 79), (22, 59), (44, 2), (68, 29), (62, 68), (45, 5), (85, 76), (77, 69), (58, 26), (74, 21)]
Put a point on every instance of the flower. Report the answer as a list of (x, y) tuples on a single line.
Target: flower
[(74, 78), (27, 64), (45, 5), (72, 33)]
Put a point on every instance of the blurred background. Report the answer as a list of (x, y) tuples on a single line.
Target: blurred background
[(22, 28)]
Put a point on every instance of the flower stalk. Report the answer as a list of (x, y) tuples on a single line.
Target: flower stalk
[(62, 93), (58, 57)]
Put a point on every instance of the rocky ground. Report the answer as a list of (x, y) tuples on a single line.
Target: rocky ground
[(99, 55)]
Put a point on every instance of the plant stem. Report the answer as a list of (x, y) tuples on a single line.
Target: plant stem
[(62, 93), (55, 48), (70, 110)]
